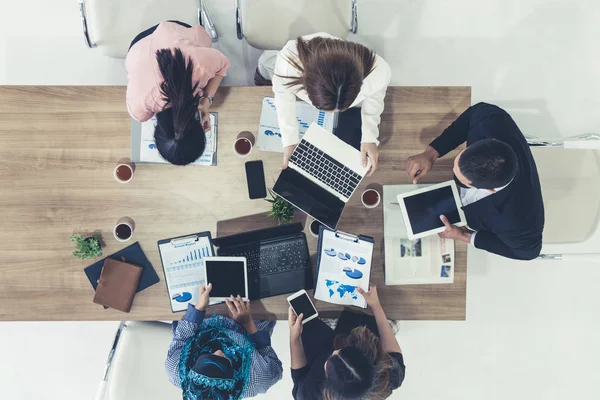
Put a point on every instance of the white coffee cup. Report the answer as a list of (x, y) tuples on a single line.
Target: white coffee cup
[(120, 233), (127, 167), (368, 192)]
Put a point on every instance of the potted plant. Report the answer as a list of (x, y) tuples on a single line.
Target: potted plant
[(281, 211), (87, 246)]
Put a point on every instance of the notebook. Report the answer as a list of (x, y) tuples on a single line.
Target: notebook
[(132, 254), (117, 284)]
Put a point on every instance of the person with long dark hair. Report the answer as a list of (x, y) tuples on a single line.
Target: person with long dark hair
[(222, 358), (174, 73), (334, 75), (358, 360)]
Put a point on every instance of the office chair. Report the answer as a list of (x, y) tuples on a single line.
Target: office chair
[(569, 171), (270, 24), (135, 369), (114, 23)]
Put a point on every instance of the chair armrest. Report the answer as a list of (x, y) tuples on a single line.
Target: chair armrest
[(585, 141), (238, 20), (354, 22), (206, 21), (84, 25)]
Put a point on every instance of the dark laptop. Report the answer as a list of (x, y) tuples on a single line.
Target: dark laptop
[(277, 258)]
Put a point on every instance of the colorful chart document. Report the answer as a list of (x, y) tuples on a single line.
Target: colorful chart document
[(183, 264), (269, 136), (343, 265)]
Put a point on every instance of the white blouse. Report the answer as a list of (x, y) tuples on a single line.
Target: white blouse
[(370, 97)]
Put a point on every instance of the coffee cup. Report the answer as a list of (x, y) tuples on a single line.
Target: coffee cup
[(123, 231), (314, 227), (123, 173), (243, 144), (370, 198)]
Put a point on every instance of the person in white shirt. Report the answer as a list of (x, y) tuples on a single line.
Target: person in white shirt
[(333, 75)]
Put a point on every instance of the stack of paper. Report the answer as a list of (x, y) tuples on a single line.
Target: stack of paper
[(150, 154), (269, 135)]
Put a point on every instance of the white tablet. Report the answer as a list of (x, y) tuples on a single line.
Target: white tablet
[(422, 208), (228, 275)]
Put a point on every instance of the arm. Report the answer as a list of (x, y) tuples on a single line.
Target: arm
[(266, 367), (285, 101), (182, 332), (373, 104), (508, 246), (386, 335), (299, 364), (454, 135)]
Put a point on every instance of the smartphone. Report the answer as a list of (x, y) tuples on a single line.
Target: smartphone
[(301, 304), (255, 176)]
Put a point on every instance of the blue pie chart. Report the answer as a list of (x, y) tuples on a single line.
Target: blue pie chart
[(356, 274), (182, 297), (361, 261), (343, 256), (330, 252)]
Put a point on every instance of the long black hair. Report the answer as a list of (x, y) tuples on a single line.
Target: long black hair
[(179, 136)]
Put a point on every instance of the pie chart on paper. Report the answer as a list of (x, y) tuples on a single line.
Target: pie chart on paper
[(354, 274)]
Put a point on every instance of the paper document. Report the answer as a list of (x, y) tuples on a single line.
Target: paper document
[(184, 270), (344, 265), (429, 260), (269, 136), (149, 153)]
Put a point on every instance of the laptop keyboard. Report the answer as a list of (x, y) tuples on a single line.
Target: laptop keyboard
[(325, 168), (272, 259)]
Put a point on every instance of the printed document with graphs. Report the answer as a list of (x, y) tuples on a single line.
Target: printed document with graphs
[(269, 136)]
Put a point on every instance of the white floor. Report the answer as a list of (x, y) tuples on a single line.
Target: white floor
[(531, 327)]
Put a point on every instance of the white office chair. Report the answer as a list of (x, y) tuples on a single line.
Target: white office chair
[(569, 171), (269, 24), (135, 369), (111, 25)]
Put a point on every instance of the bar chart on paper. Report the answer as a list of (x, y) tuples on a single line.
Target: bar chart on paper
[(184, 270)]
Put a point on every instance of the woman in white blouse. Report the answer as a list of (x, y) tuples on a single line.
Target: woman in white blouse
[(333, 75)]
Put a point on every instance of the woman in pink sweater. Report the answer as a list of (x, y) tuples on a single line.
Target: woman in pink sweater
[(174, 73)]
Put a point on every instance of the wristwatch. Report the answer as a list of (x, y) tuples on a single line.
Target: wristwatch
[(210, 99)]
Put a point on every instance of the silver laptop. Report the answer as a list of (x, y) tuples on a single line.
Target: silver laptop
[(322, 174)]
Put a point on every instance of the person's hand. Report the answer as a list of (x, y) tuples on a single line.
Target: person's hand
[(206, 121), (240, 312), (371, 296), (419, 165), (295, 323), (454, 232), (287, 153), (371, 151), (203, 297), (204, 108)]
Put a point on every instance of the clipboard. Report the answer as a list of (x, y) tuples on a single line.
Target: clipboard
[(347, 240), (182, 261)]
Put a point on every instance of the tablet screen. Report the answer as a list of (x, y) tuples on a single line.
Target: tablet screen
[(424, 209), (227, 278), (302, 305)]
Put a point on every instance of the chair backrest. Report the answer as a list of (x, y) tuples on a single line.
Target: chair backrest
[(270, 24), (138, 367), (570, 181), (114, 23)]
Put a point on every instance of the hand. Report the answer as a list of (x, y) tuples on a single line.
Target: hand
[(203, 297), (419, 165), (287, 153), (240, 312), (454, 232), (295, 323), (370, 150), (206, 121), (204, 108), (371, 296)]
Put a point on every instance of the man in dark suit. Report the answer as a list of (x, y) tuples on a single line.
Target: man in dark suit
[(499, 184)]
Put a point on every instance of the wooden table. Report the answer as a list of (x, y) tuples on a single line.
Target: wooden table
[(58, 148)]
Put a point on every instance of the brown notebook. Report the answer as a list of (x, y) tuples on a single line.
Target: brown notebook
[(117, 284)]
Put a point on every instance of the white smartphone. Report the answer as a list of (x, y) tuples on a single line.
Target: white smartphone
[(301, 304)]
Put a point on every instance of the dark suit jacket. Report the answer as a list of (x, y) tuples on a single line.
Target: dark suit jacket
[(509, 222)]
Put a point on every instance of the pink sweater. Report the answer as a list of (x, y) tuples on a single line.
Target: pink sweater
[(143, 74)]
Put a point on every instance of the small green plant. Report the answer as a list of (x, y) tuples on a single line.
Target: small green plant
[(87, 246), (281, 210)]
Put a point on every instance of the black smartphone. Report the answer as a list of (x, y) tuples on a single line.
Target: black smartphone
[(255, 176)]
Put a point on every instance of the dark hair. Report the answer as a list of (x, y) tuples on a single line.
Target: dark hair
[(179, 135), (360, 370), (331, 71), (488, 164)]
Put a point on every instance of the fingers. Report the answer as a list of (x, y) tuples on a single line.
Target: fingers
[(242, 303), (291, 315), (299, 319), (363, 155), (237, 304), (286, 159), (445, 221), (230, 306), (208, 288), (362, 292), (201, 289)]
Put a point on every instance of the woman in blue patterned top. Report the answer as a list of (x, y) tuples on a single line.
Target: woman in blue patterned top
[(222, 358)]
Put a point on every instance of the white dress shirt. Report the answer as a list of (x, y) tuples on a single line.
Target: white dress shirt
[(471, 195), (370, 97)]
